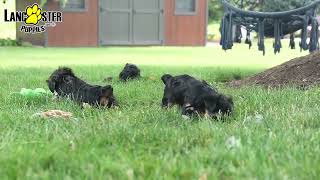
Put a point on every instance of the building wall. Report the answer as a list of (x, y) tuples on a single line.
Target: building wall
[(35, 39), (77, 29), (185, 30), (80, 29)]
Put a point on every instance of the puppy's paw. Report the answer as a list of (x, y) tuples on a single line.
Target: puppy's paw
[(185, 117), (188, 110), (86, 106), (55, 96)]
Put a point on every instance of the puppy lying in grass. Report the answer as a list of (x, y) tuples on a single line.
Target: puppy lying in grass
[(64, 83), (130, 71), (194, 96)]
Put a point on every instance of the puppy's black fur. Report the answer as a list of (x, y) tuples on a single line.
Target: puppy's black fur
[(201, 99), (64, 82), (194, 96), (130, 71), (176, 88)]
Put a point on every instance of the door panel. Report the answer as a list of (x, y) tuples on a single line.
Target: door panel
[(146, 21), (146, 28), (146, 4), (118, 29), (130, 22), (115, 22), (116, 4)]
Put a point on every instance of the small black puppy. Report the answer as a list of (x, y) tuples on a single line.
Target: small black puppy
[(176, 88), (194, 96), (64, 83), (130, 71)]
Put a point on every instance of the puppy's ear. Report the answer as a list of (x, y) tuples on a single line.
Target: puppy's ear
[(107, 90), (166, 78)]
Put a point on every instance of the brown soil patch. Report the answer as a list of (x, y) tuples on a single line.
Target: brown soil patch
[(302, 72)]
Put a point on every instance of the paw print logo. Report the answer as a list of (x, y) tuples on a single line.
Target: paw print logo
[(34, 14)]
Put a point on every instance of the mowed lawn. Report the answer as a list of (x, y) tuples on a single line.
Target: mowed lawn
[(140, 140)]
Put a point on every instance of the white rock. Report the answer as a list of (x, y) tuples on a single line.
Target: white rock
[(233, 143), (185, 117)]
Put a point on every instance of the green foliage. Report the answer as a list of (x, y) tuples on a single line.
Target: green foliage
[(281, 5), (271, 5), (13, 42), (43, 2), (251, 5), (10, 42), (215, 10), (213, 32)]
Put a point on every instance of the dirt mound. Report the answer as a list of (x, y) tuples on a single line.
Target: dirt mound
[(300, 72)]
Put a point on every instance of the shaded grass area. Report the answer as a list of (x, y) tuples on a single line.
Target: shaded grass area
[(139, 139)]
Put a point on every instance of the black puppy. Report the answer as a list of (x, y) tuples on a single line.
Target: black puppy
[(176, 88), (194, 96), (130, 71), (64, 83)]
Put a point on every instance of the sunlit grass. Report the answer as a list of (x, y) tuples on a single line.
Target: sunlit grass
[(239, 56)]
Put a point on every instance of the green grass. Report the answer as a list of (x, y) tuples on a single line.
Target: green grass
[(142, 141)]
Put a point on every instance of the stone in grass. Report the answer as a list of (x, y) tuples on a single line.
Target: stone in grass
[(185, 117), (53, 114), (257, 118), (86, 106), (108, 79), (152, 78), (233, 143), (130, 174)]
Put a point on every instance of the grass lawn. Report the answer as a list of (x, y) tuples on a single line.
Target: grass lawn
[(213, 31), (142, 141)]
